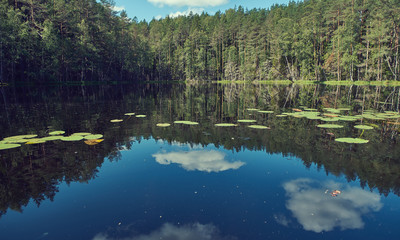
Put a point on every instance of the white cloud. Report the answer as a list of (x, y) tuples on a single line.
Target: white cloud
[(187, 12), (118, 8), (190, 3), (318, 211), (168, 231), (207, 161)]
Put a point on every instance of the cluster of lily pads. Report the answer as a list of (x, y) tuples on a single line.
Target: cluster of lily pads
[(335, 115), (127, 114), (18, 140), (222, 124)]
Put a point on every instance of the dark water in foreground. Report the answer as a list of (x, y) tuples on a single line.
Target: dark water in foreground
[(145, 182)]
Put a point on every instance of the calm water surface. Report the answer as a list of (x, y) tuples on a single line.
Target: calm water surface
[(145, 182)]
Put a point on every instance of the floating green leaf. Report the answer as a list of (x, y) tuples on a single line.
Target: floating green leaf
[(16, 140), (314, 117), (392, 112), (259, 127), (163, 124), (140, 116), (35, 141), (116, 120), (329, 126), (81, 134), (372, 117), (332, 110), (334, 119), (129, 114), (351, 140), (93, 136), (281, 115), (56, 132), (246, 121), (4, 146), (348, 119), (364, 127), (72, 138), (225, 125), (266, 111), (253, 109), (186, 122), (52, 138), (20, 137)]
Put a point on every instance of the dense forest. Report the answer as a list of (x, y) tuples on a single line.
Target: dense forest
[(86, 40)]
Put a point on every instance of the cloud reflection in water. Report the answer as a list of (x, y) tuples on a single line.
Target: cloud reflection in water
[(318, 211), (169, 231), (207, 161)]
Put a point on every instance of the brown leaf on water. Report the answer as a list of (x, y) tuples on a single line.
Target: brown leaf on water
[(93, 141), (297, 110)]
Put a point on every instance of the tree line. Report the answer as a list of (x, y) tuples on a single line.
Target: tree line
[(69, 40)]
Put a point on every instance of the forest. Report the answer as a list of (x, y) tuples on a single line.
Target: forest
[(86, 40)]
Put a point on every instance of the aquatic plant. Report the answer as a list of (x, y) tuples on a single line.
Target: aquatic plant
[(329, 126), (163, 124), (116, 120), (258, 127), (351, 140)]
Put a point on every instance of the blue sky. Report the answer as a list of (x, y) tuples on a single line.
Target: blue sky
[(149, 9)]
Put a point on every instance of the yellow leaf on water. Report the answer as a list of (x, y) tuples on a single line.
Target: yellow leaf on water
[(93, 141)]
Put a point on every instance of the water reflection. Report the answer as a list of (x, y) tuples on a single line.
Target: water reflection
[(316, 210), (168, 231), (206, 161)]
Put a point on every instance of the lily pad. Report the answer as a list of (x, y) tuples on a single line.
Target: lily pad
[(314, 117), (259, 127), (329, 126), (163, 124), (72, 138), (93, 136), (364, 127), (225, 125), (246, 121), (253, 109), (15, 140), (332, 110), (116, 120), (351, 140), (330, 115), (56, 132), (52, 138), (93, 141), (281, 115), (186, 122), (266, 111), (129, 114), (20, 137), (330, 119), (35, 141), (4, 146), (140, 116), (347, 119), (81, 134)]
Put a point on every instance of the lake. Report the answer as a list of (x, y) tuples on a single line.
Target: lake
[(292, 176)]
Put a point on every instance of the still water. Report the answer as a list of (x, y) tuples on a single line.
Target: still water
[(143, 182)]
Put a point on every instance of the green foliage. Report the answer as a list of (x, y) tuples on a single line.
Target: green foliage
[(85, 40)]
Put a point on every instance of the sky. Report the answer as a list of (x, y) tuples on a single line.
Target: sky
[(149, 9)]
